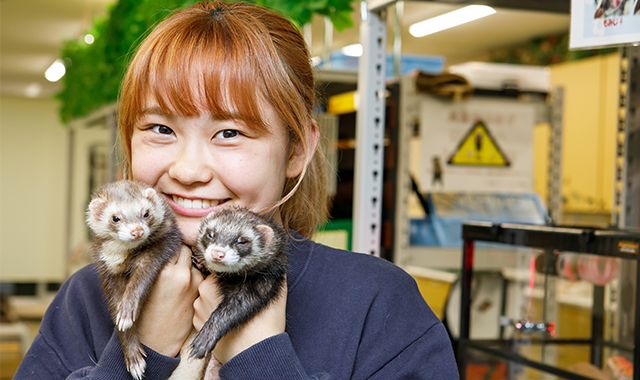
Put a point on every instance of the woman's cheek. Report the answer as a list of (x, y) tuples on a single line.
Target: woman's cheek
[(145, 165)]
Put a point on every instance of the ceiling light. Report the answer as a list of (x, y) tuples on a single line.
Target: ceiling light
[(55, 71), (33, 90), (89, 39), (354, 50), (449, 20)]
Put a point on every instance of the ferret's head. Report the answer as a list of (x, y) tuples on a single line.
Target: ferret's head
[(234, 240), (125, 211)]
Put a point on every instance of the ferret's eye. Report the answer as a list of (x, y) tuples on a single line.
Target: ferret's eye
[(242, 241), (210, 234), (115, 219), (146, 215)]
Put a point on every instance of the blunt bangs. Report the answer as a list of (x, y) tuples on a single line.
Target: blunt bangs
[(201, 68)]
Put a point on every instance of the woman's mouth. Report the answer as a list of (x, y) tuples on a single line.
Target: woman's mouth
[(195, 203), (194, 207)]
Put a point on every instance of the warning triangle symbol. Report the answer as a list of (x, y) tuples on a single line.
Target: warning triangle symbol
[(478, 148)]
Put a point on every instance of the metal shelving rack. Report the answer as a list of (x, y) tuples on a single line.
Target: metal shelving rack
[(367, 208), (590, 241), (367, 205)]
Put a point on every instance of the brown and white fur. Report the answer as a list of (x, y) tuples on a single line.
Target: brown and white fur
[(248, 254), (135, 237)]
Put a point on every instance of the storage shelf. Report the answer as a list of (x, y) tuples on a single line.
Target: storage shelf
[(605, 242), (616, 243)]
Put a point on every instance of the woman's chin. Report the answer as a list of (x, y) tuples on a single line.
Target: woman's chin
[(189, 229)]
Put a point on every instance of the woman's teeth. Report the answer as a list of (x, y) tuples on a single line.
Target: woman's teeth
[(194, 203)]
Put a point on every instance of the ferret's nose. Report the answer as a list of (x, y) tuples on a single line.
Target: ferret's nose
[(137, 232), (216, 254)]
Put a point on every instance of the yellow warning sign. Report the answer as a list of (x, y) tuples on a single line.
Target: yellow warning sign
[(478, 148)]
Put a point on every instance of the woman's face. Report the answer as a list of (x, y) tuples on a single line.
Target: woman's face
[(202, 164)]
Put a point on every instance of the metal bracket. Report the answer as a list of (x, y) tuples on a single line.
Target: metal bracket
[(370, 122)]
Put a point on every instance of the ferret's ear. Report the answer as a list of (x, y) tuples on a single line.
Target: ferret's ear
[(96, 207), (266, 233), (150, 194)]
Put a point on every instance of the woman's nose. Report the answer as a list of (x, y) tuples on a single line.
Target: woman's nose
[(192, 165)]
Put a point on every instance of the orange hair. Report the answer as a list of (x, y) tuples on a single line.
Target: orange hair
[(228, 58)]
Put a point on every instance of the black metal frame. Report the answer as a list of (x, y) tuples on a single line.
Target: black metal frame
[(605, 242)]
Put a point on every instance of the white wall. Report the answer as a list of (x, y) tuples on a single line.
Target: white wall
[(33, 181)]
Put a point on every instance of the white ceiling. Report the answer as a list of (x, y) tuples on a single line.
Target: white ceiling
[(466, 42), (32, 32), (31, 36)]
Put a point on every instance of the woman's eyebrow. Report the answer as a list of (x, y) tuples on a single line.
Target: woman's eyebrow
[(226, 116), (155, 110)]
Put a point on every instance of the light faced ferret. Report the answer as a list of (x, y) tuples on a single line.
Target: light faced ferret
[(135, 237)]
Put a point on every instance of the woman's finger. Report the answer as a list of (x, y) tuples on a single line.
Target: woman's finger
[(184, 258)]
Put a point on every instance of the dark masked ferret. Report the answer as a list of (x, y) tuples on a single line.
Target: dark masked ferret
[(248, 255), (135, 236)]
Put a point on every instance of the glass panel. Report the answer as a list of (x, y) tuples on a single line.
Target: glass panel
[(542, 306), (483, 367), (512, 208)]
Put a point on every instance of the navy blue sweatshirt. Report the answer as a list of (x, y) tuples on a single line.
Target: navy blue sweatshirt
[(349, 316)]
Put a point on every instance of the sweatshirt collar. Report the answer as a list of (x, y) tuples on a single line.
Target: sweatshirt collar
[(300, 251)]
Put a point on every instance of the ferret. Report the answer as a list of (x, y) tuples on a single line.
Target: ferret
[(135, 237), (248, 255)]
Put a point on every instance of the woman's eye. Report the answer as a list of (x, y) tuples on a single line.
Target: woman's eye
[(228, 133), (162, 129)]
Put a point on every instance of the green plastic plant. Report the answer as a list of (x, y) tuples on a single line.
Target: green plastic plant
[(94, 71)]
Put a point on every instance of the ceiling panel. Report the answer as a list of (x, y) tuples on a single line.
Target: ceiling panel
[(32, 32), (470, 41)]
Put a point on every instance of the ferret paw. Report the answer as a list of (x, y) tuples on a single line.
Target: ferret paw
[(127, 314), (124, 322), (137, 368), (199, 349), (135, 363)]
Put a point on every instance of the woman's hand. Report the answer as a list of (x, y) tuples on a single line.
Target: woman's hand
[(267, 323), (167, 317)]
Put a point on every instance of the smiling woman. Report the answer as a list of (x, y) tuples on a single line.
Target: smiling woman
[(205, 73), (216, 112)]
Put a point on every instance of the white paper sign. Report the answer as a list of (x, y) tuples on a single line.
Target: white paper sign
[(597, 23), (476, 145)]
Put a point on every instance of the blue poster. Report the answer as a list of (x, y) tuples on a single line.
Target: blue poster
[(598, 23)]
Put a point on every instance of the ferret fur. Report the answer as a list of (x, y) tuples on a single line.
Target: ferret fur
[(248, 254), (135, 237)]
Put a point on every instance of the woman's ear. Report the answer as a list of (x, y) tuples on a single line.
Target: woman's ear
[(299, 157)]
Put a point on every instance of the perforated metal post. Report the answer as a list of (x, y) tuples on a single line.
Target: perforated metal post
[(554, 184), (370, 121), (626, 203)]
